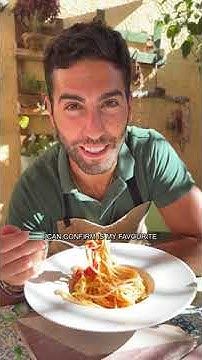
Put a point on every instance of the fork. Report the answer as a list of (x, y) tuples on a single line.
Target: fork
[(41, 235)]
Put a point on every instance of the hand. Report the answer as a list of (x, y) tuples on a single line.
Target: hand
[(19, 256)]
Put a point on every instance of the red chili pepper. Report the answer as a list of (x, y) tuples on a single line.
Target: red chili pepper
[(89, 272)]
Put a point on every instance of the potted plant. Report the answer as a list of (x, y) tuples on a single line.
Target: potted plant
[(32, 15), (30, 85), (33, 145)]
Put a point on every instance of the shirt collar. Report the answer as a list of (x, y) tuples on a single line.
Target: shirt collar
[(126, 162), (66, 181)]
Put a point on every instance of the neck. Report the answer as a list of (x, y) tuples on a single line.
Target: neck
[(92, 185)]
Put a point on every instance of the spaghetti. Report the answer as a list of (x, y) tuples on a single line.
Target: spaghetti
[(103, 282)]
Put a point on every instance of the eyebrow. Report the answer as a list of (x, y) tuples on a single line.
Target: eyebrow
[(67, 96), (104, 96), (110, 94)]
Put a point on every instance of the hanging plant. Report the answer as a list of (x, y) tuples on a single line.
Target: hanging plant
[(185, 18), (34, 13)]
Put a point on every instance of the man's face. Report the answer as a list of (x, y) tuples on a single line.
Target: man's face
[(90, 112)]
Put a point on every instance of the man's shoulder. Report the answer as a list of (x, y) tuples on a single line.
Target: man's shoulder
[(138, 135), (143, 141)]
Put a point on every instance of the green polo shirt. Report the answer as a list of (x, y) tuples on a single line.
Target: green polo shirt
[(37, 202)]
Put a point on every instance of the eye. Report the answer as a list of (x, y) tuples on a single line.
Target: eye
[(73, 107), (110, 103)]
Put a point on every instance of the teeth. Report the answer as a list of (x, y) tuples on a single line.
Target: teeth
[(94, 150)]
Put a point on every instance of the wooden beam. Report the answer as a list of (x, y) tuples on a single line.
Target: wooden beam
[(10, 132)]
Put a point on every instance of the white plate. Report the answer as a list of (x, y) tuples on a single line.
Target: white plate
[(174, 281)]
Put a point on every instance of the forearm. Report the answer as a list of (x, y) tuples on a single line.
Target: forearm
[(188, 249)]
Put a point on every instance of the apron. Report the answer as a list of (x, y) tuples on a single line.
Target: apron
[(132, 223)]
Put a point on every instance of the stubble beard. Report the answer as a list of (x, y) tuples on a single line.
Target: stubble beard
[(94, 167)]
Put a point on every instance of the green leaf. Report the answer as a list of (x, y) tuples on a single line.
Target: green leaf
[(187, 46), (172, 42), (9, 317), (20, 309), (173, 30), (24, 121), (17, 308), (158, 28), (18, 352), (200, 27), (189, 3), (166, 18), (178, 4), (193, 28)]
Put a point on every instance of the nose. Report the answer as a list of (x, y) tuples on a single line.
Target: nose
[(93, 127)]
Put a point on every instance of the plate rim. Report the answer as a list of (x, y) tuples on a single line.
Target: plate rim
[(130, 327)]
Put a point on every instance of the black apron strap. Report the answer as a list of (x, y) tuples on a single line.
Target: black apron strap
[(66, 210), (132, 184), (134, 191)]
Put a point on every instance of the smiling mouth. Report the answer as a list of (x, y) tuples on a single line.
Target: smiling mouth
[(94, 151)]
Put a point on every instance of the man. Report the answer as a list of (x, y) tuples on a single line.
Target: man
[(102, 174)]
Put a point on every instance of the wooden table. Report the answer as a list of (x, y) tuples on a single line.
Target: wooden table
[(189, 249)]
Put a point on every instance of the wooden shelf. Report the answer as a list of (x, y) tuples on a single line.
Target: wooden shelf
[(39, 123), (30, 112), (26, 54)]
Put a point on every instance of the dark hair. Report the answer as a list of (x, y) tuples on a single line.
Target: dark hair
[(87, 40)]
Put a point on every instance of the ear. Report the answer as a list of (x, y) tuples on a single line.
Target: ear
[(49, 108)]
